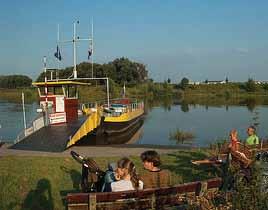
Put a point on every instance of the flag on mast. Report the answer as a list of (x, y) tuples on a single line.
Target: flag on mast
[(57, 53), (89, 53)]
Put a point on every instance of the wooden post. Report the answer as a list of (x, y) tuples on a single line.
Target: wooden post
[(204, 187), (153, 202), (92, 201)]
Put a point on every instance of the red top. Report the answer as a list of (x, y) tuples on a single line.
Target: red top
[(234, 143)]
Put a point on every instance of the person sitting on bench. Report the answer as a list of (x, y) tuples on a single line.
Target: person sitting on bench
[(234, 148), (154, 176), (234, 140), (126, 177)]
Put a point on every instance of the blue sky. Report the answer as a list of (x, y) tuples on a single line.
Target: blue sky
[(199, 39)]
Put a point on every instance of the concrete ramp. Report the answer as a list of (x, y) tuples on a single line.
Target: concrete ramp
[(53, 138)]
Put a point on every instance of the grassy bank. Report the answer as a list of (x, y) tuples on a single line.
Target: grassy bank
[(218, 94), (42, 182), (14, 95), (225, 90)]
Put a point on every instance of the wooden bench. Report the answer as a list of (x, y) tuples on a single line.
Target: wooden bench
[(157, 198)]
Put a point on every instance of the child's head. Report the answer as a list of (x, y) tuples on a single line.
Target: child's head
[(126, 167), (251, 130), (233, 134), (150, 159)]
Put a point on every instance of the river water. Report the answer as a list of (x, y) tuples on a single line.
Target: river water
[(208, 123), (11, 119)]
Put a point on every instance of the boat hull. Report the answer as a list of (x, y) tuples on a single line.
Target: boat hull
[(114, 132)]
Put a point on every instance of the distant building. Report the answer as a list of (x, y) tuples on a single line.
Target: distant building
[(214, 82), (194, 83), (261, 82)]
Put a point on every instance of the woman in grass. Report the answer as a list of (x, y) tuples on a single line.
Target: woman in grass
[(126, 176)]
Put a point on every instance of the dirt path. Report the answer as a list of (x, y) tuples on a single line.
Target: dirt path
[(91, 151)]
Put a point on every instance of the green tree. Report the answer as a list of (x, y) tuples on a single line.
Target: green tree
[(265, 86), (251, 85), (120, 70), (184, 83), (15, 81)]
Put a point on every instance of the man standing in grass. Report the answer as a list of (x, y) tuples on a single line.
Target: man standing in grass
[(154, 176), (252, 139)]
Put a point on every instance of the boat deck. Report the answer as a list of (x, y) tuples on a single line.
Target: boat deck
[(53, 138)]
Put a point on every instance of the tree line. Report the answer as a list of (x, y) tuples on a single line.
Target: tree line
[(15, 81), (121, 70)]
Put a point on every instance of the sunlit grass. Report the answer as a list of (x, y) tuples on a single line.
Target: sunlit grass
[(26, 180)]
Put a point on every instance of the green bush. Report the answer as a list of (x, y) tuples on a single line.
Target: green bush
[(15, 81)]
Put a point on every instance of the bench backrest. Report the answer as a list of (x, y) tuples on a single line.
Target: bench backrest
[(140, 199)]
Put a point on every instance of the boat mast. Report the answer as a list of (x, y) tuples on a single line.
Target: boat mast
[(92, 61), (74, 41), (23, 109), (74, 49), (46, 90), (108, 95), (58, 42)]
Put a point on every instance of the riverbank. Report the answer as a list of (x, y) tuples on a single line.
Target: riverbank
[(222, 92), (92, 151), (41, 182), (14, 95)]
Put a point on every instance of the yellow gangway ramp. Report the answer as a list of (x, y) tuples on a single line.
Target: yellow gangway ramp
[(93, 121)]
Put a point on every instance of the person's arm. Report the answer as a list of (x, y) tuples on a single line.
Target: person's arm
[(170, 179), (140, 185)]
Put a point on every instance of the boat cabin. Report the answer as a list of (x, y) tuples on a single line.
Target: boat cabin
[(59, 99)]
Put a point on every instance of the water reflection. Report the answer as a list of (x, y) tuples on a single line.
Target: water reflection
[(11, 119), (209, 118), (185, 103)]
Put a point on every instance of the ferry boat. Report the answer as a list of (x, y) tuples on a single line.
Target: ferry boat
[(63, 122)]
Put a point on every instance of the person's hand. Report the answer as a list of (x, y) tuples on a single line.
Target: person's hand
[(117, 176)]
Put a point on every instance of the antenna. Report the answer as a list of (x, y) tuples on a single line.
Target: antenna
[(92, 61), (74, 40), (58, 40), (74, 49)]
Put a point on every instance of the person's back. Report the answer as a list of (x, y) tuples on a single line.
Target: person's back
[(154, 179), (154, 176), (124, 185), (126, 176)]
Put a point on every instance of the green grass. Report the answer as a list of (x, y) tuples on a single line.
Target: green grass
[(14, 95), (42, 182)]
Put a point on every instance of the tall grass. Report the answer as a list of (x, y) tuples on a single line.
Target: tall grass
[(181, 136), (14, 95)]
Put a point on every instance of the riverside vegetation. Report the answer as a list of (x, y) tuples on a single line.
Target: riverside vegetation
[(135, 76)]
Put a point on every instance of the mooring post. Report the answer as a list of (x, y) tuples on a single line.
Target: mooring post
[(92, 201)]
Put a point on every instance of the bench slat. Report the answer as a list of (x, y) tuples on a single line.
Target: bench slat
[(141, 198)]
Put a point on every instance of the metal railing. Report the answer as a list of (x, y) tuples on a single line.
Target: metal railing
[(34, 125)]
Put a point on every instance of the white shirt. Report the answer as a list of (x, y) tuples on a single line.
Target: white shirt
[(124, 185)]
